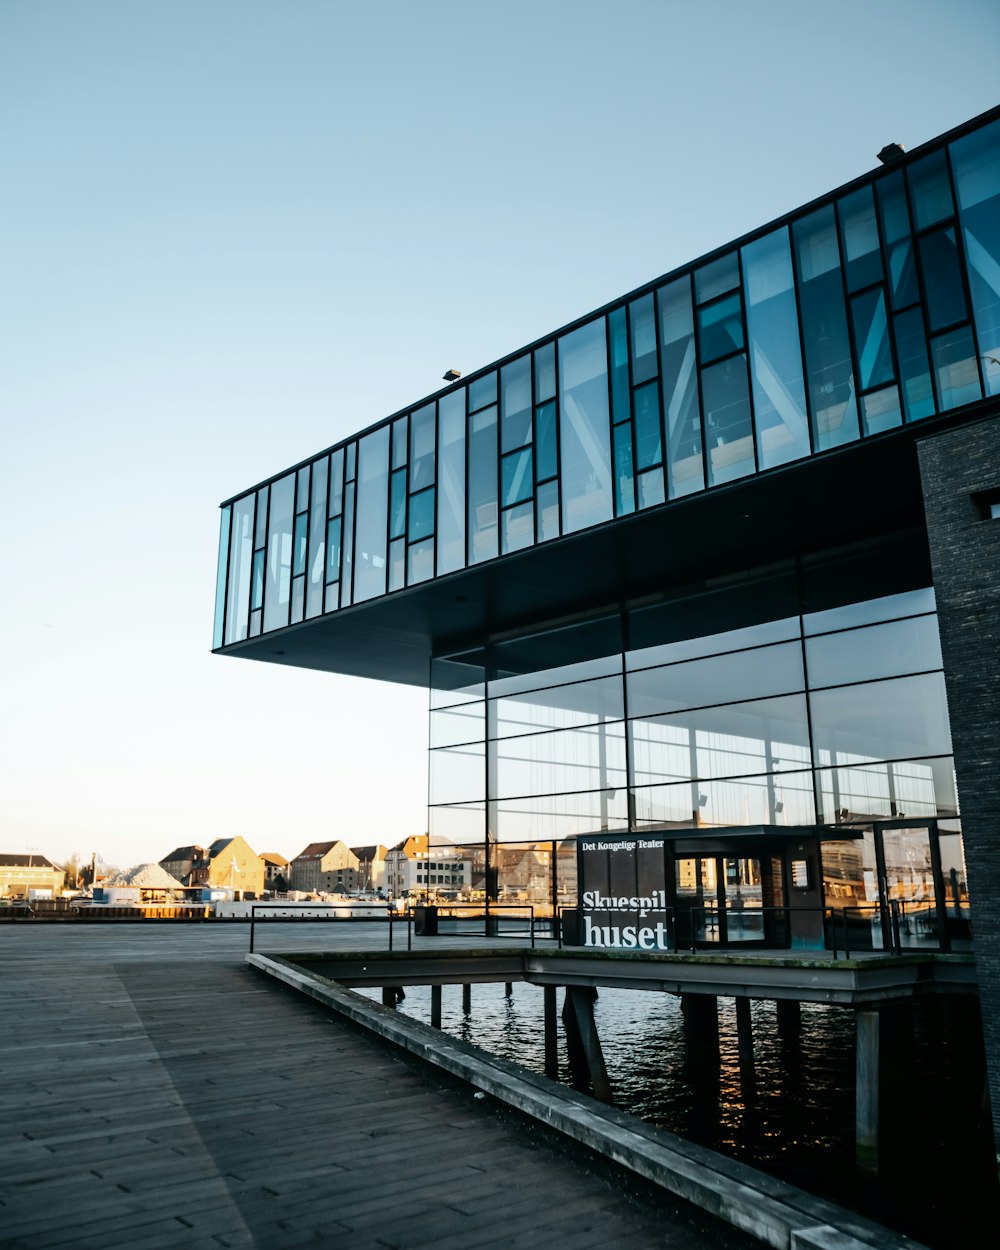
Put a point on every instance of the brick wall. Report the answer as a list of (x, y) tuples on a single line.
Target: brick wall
[(965, 557)]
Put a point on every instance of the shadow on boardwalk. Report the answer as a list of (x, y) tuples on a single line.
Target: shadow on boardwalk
[(157, 1093)]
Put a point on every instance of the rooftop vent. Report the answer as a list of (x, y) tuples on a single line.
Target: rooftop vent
[(891, 152)]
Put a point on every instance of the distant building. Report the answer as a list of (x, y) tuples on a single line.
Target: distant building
[(371, 866), (21, 873), (401, 865), (275, 870), (330, 866), (180, 862)]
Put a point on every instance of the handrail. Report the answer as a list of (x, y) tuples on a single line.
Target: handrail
[(391, 915)]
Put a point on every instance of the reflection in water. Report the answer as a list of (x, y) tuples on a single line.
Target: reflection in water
[(799, 1121)]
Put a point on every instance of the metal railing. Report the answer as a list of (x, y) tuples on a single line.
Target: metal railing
[(303, 915)]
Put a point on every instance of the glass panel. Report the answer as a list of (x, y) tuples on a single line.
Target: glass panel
[(397, 504), (956, 888), (727, 420), (650, 488), (728, 678), (317, 538), (880, 410), (509, 681), (710, 644), (591, 758), (278, 584), (336, 482), (260, 526), (515, 404), (483, 392), (333, 550), (624, 487), (421, 515), (869, 611), (255, 623), (913, 788), (859, 239), (516, 479), (744, 900), (976, 163), (643, 333), (871, 338), (824, 331), (775, 351), (902, 718), (907, 646), (483, 486), (559, 707), (298, 599), (451, 475), (331, 600), (399, 442), (956, 371), (717, 278), (680, 389), (545, 373), (458, 774), (763, 736), (422, 448), (561, 815), (619, 366), (899, 247), (452, 726), (370, 526), (458, 679), (347, 562), (257, 582), (781, 799), (220, 578), (914, 370), (547, 511), (299, 544), (397, 564), (240, 560), (351, 452), (518, 529), (930, 190), (720, 329), (584, 444), (647, 426), (945, 295), (545, 442), (421, 562), (302, 490), (910, 883)]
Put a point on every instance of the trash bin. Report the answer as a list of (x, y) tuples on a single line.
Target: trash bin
[(425, 921), (570, 920)]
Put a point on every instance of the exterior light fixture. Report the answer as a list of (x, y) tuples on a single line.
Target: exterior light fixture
[(452, 375), (891, 152)]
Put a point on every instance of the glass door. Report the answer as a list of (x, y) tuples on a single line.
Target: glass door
[(909, 869), (719, 900), (744, 902)]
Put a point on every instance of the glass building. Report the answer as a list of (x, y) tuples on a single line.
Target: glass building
[(705, 568)]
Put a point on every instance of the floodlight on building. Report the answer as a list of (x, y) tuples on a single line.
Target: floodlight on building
[(891, 152), (452, 375)]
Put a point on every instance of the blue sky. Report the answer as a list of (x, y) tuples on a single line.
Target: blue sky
[(232, 233)]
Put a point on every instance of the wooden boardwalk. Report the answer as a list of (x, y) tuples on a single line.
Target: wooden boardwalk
[(157, 1093)]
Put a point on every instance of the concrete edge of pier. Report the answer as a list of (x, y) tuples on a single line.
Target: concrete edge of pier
[(775, 1212)]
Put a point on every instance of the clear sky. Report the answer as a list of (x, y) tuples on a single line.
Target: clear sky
[(233, 232)]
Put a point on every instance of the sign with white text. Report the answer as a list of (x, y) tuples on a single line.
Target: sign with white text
[(623, 893)]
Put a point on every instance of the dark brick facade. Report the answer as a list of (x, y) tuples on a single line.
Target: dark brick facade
[(956, 466)]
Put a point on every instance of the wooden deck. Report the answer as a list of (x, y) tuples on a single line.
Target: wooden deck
[(157, 1093)]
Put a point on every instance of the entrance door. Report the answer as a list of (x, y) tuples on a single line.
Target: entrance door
[(719, 900), (911, 888)]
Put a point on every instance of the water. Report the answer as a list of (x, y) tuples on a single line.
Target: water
[(936, 1181)]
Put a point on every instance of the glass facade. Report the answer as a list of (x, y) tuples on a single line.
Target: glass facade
[(877, 309), (836, 718)]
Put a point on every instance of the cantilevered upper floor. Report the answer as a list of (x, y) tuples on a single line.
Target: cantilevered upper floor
[(741, 406)]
